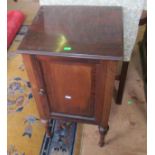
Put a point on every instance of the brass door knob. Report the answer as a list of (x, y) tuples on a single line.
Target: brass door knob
[(41, 92)]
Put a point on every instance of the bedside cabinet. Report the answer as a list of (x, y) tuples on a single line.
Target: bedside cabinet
[(71, 55)]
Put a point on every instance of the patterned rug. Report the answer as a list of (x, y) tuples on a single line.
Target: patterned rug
[(26, 134), (62, 140)]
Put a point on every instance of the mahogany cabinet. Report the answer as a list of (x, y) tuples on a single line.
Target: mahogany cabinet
[(71, 55)]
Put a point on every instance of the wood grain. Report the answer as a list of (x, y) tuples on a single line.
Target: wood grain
[(35, 77), (108, 84), (91, 31), (74, 85), (69, 86)]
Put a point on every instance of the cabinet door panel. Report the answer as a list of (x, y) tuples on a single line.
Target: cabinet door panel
[(33, 68), (70, 87)]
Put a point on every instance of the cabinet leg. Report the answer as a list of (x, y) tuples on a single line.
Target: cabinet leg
[(103, 132), (46, 124), (121, 87)]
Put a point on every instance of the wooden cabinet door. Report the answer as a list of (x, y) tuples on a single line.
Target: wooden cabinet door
[(74, 89), (70, 86)]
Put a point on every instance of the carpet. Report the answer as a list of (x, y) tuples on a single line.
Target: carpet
[(62, 140), (26, 134)]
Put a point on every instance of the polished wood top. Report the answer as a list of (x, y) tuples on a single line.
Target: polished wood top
[(93, 32)]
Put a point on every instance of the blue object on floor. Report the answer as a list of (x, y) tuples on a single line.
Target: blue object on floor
[(62, 139)]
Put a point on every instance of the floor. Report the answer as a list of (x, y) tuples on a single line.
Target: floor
[(127, 134)]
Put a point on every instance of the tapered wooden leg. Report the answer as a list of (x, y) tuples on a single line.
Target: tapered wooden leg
[(103, 132), (106, 91), (143, 54), (122, 82), (46, 124)]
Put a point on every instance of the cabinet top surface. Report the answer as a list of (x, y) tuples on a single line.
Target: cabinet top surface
[(76, 31)]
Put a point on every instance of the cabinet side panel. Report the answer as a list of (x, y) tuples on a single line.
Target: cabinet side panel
[(105, 86), (101, 70), (35, 77)]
